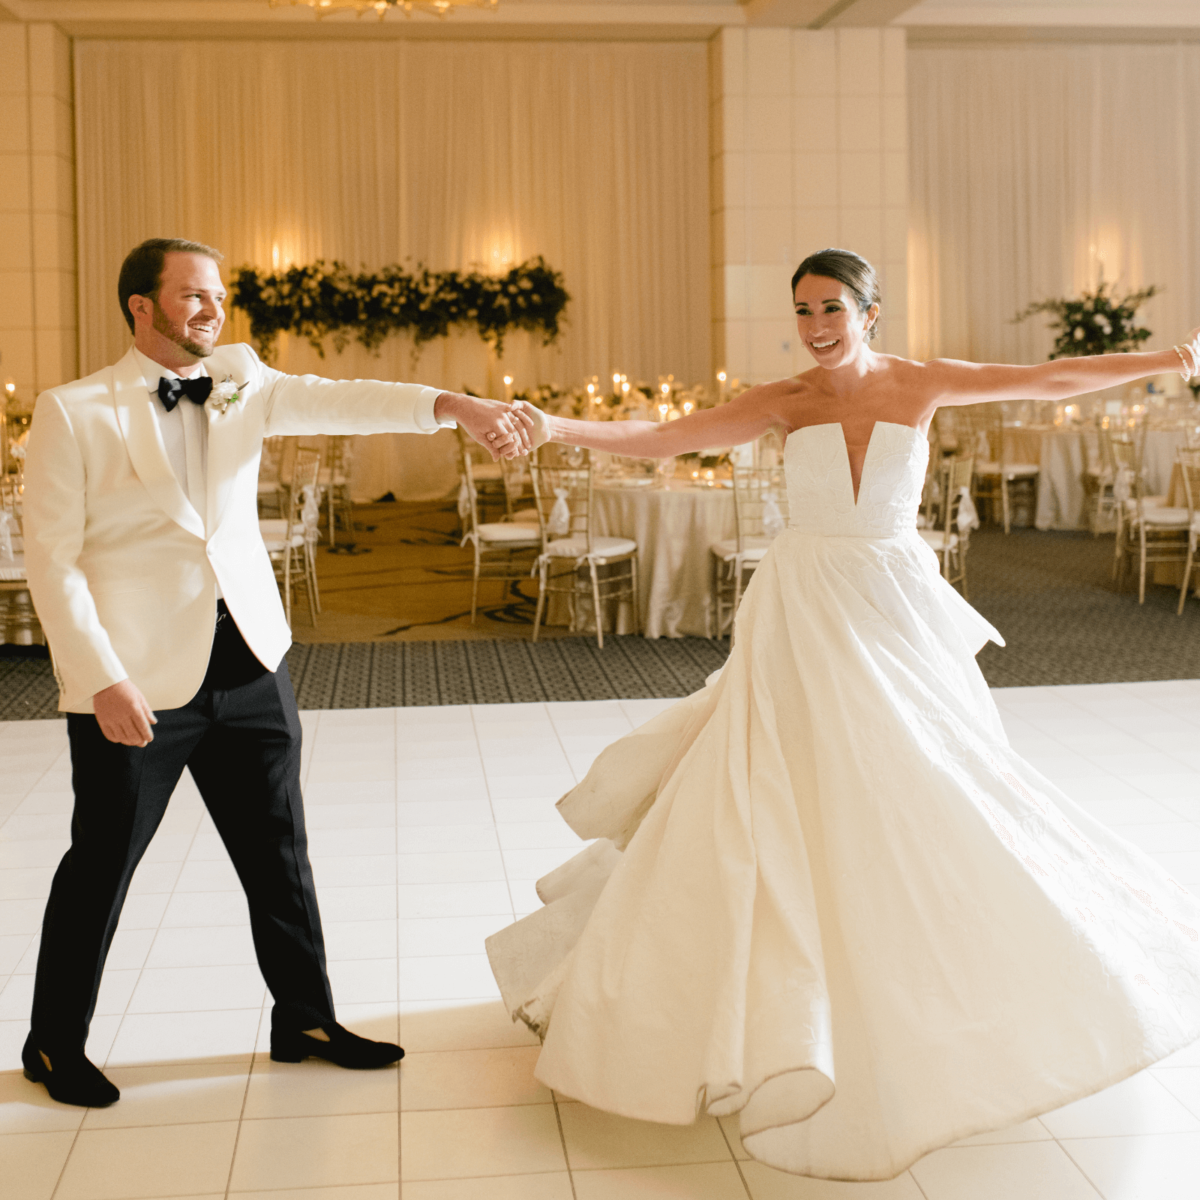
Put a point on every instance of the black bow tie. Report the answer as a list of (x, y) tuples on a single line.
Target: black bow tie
[(171, 391)]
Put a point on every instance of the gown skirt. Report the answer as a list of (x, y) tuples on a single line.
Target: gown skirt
[(826, 894)]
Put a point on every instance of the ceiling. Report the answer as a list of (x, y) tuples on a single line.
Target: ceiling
[(632, 19)]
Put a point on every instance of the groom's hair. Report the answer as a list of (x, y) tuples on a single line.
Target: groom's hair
[(141, 272)]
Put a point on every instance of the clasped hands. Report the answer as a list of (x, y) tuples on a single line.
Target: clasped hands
[(505, 430)]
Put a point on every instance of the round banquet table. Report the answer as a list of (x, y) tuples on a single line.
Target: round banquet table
[(673, 527), (1065, 455)]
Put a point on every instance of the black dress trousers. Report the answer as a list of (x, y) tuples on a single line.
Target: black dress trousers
[(240, 738)]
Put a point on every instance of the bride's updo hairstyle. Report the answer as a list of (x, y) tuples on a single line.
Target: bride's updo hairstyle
[(847, 268)]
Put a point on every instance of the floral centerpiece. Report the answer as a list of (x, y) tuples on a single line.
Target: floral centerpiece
[(1096, 323)]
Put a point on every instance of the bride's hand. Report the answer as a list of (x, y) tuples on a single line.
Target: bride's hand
[(539, 434)]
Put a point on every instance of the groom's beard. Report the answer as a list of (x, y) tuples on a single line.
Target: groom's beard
[(175, 333)]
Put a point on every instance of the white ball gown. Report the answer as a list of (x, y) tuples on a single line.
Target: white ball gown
[(827, 895)]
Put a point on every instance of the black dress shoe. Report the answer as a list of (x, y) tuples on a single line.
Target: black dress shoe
[(70, 1079), (344, 1048)]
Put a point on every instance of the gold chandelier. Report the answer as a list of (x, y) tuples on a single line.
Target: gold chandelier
[(438, 8)]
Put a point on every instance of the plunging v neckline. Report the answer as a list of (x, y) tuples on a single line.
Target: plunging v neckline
[(855, 492)]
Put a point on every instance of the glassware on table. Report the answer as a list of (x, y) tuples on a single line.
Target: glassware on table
[(664, 472)]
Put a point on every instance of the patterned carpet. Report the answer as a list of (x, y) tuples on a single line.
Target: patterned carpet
[(1049, 594)]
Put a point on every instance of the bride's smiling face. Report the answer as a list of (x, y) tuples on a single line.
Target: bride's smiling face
[(829, 320)]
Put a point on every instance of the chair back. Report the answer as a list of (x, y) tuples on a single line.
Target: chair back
[(306, 471), (956, 476), (271, 464), (515, 474), (338, 458), (760, 503), (1189, 469), (469, 502), (974, 431), (563, 497)]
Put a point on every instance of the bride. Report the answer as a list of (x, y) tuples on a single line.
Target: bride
[(825, 894)]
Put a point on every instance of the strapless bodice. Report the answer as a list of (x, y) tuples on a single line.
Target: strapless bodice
[(821, 492)]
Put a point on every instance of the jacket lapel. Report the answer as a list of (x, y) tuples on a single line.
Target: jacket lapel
[(143, 440), (226, 434)]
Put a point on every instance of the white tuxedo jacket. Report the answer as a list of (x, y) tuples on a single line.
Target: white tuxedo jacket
[(122, 569)]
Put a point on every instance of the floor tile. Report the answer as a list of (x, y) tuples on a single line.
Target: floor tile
[(355, 870), (1148, 1167), (197, 989), (1184, 1084), (455, 1144), (554, 1185), (537, 835), (222, 945), (766, 1184), (364, 981), (27, 1108), (461, 866), (1027, 1171), (453, 899), (23, 915), (598, 1140), (460, 1079), (353, 940), (1027, 1131), (375, 903), (176, 1094), (447, 977), (350, 816), (315, 1088), (33, 1162), (1140, 1104), (196, 1036), (423, 839), (12, 948), (700, 1181), (316, 1151), (421, 937), (156, 1161), (460, 1025), (196, 909), (357, 1191)]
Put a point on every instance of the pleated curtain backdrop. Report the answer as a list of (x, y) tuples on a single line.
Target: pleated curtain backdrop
[(594, 155), (1034, 168)]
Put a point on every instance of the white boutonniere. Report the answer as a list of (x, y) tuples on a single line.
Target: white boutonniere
[(225, 393)]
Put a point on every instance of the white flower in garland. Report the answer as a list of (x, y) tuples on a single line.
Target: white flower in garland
[(225, 393)]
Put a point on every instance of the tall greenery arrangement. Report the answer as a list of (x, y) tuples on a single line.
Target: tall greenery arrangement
[(1096, 323), (323, 300)]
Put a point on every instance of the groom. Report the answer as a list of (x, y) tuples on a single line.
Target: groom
[(160, 606)]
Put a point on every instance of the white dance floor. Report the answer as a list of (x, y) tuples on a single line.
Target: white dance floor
[(428, 828)]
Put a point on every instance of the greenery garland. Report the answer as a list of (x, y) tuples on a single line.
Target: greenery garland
[(321, 299), (1097, 323)]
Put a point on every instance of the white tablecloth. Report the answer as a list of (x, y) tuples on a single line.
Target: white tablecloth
[(673, 528), (412, 466), (1065, 456)]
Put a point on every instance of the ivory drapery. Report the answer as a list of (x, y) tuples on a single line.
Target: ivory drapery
[(1034, 167), (451, 154)]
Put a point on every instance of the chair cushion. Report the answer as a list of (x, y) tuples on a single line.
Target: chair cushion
[(1010, 471), (278, 545), (936, 538), (727, 550), (602, 547), (526, 516), (503, 531), (1171, 518), (273, 527), (268, 486), (486, 471)]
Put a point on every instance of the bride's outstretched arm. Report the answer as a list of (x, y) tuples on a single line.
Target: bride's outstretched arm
[(741, 420), (954, 382)]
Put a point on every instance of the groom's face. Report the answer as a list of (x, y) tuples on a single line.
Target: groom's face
[(188, 310)]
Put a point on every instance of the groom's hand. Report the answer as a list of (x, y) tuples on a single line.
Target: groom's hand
[(502, 429), (123, 714)]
